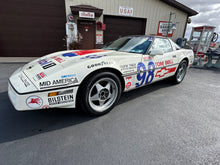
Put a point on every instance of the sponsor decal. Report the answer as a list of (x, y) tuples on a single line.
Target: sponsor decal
[(69, 75), (69, 54), (128, 67), (45, 107), (147, 58), (58, 83), (34, 102), (164, 71), (58, 59), (158, 64), (40, 75), (128, 78), (168, 62), (61, 99), (46, 64), (128, 85), (24, 80), (99, 64), (93, 56), (163, 63)]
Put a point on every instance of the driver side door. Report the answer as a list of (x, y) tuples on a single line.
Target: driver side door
[(156, 63), (148, 67)]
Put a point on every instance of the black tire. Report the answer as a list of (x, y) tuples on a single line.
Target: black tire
[(100, 93), (180, 73)]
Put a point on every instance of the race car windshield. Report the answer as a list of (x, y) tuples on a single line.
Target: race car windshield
[(130, 44)]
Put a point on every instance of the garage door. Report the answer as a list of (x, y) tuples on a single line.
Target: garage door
[(122, 26), (31, 28)]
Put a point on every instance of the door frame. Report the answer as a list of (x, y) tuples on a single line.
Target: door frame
[(86, 20)]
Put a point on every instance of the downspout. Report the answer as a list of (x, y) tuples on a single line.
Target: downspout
[(185, 25)]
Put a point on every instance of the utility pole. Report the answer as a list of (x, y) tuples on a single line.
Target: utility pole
[(168, 28)]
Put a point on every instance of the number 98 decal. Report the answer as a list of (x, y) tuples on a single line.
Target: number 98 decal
[(141, 77)]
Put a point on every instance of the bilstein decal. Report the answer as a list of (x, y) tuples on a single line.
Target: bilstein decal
[(61, 99), (58, 83)]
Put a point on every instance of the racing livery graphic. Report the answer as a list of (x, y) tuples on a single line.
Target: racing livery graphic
[(34, 102), (93, 80), (164, 71)]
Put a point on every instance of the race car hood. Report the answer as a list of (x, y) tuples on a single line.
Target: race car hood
[(56, 62), (68, 68)]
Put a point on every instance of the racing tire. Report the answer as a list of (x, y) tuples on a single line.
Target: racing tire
[(180, 73), (100, 93)]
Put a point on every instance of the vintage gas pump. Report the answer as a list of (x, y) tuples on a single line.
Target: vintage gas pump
[(200, 40), (71, 33)]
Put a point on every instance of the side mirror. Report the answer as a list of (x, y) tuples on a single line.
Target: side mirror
[(156, 52)]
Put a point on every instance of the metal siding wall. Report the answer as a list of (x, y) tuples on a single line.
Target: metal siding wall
[(153, 10)]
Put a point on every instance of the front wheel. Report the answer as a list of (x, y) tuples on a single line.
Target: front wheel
[(100, 93), (180, 72)]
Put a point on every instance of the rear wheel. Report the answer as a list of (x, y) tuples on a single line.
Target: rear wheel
[(100, 93), (180, 72)]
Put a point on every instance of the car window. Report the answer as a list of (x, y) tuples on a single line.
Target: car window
[(136, 45), (175, 46), (130, 44), (161, 44)]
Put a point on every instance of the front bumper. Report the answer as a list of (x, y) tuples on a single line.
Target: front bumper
[(66, 98)]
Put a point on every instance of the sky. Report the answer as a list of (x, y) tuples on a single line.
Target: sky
[(209, 14)]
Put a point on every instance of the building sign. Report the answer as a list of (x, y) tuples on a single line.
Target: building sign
[(84, 14), (126, 11), (162, 29), (99, 39), (70, 17)]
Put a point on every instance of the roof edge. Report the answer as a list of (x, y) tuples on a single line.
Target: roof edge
[(181, 7)]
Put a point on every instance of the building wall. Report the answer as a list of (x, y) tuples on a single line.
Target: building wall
[(153, 10), (31, 28)]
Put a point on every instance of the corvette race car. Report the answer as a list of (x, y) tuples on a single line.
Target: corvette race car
[(93, 80)]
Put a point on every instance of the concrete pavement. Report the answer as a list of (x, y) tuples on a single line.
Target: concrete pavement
[(16, 59), (158, 124)]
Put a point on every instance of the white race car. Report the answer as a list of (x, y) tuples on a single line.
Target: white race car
[(93, 80)]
